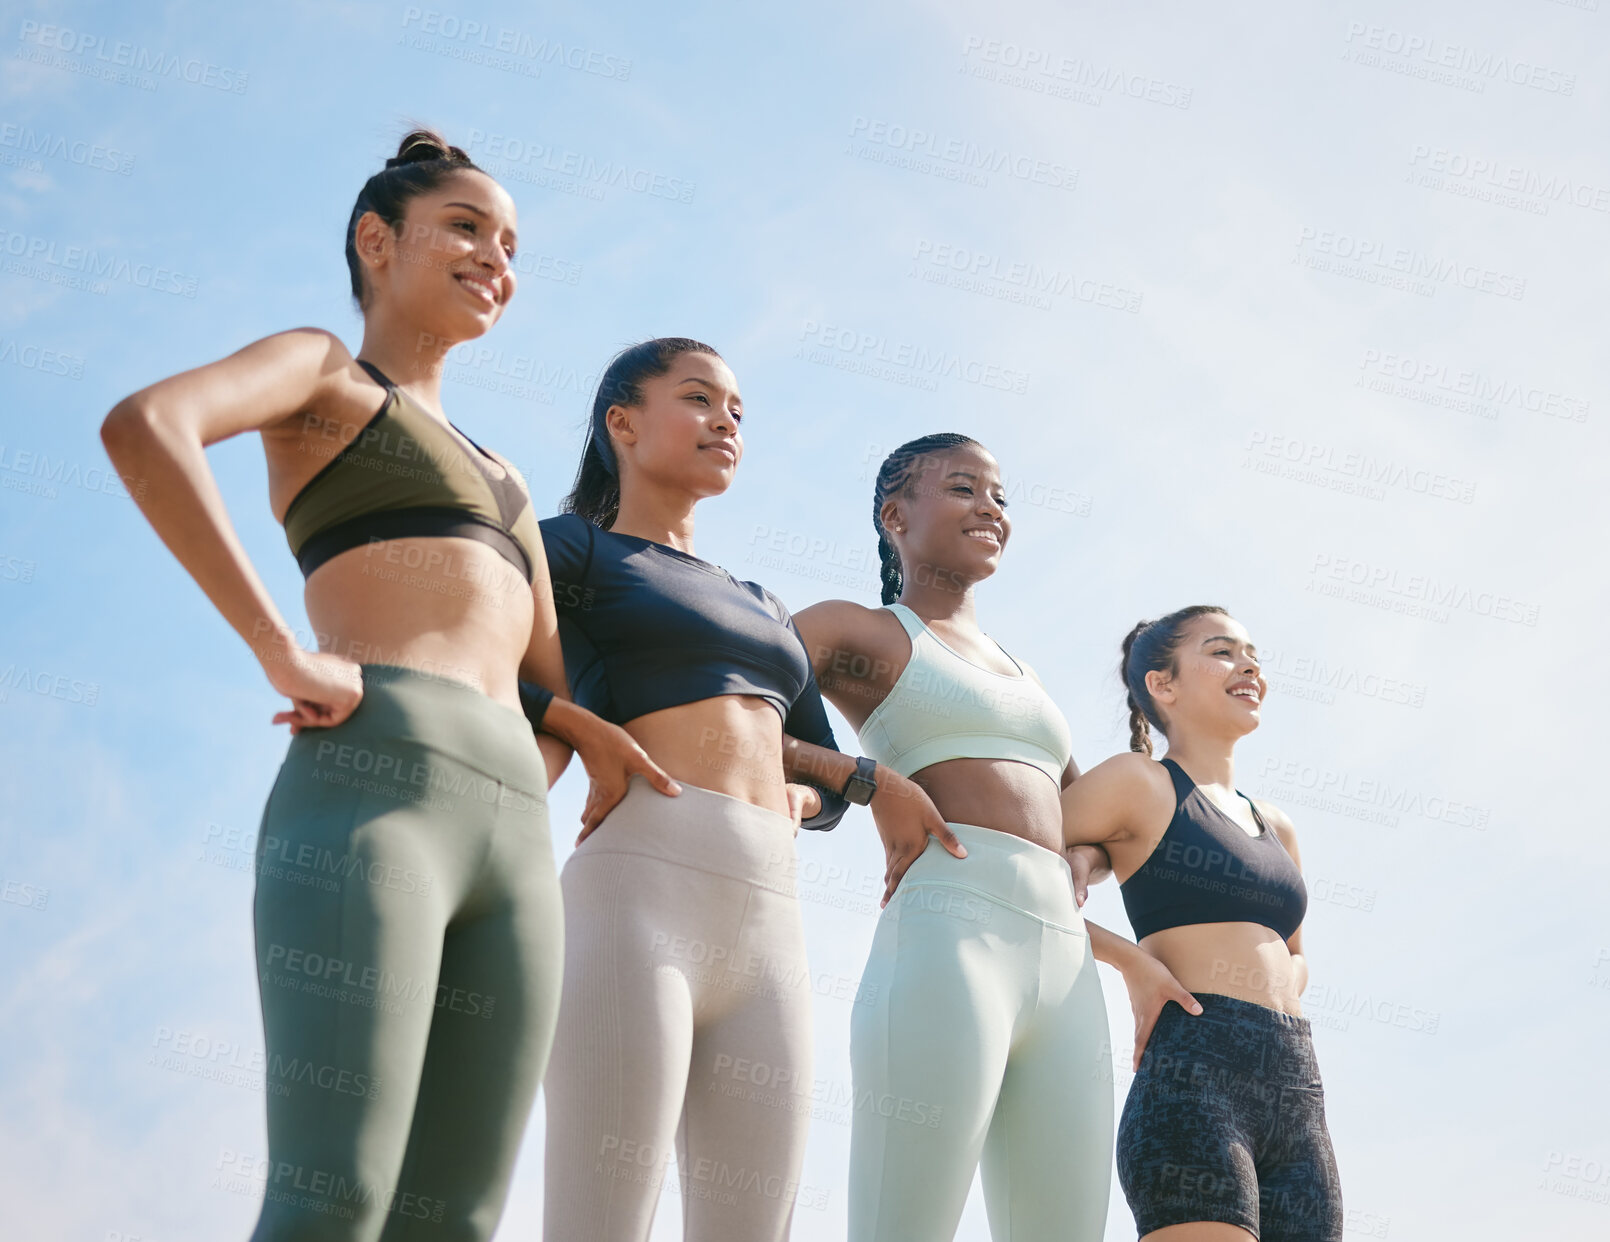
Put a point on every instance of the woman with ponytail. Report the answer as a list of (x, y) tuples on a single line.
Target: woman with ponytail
[(407, 914), (684, 945), (983, 1008), (1223, 1134)]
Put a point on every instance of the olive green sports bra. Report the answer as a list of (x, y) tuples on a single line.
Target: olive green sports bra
[(405, 475)]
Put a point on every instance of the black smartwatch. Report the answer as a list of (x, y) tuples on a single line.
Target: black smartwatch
[(861, 785)]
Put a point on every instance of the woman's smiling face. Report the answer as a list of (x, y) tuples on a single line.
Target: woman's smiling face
[(448, 266), (949, 521)]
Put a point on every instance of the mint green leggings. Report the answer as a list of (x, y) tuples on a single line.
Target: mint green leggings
[(410, 943), (982, 1032)]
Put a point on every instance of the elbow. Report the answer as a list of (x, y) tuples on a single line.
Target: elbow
[(127, 429)]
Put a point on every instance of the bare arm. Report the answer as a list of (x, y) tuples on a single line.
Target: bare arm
[(1281, 823), (543, 664), (1088, 862), (1113, 805), (1110, 804), (855, 652), (159, 435)]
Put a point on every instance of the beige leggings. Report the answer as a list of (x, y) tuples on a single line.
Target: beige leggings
[(685, 1016)]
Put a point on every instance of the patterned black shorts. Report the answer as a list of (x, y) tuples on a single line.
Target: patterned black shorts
[(1226, 1122)]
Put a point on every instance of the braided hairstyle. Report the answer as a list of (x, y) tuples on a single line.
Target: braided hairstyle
[(423, 163), (1150, 648), (894, 479), (596, 493)]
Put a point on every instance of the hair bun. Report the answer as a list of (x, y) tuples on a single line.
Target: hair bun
[(424, 144)]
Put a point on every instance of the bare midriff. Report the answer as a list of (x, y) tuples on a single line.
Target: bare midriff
[(1004, 794), (731, 744), (450, 607), (1245, 960)]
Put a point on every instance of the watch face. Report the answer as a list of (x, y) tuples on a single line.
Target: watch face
[(861, 785)]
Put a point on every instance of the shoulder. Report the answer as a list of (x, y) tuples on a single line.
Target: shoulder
[(845, 622), (313, 361), (566, 538), (569, 527), (837, 615), (315, 344), (1132, 771), (561, 522), (315, 354), (1128, 796), (317, 364), (837, 629)]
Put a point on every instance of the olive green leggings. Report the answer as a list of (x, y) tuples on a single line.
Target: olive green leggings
[(409, 951)]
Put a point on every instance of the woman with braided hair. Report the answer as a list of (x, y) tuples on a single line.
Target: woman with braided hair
[(407, 909), (984, 1033), (1223, 1134)]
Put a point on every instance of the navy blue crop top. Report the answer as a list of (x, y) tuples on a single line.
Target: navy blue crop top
[(1206, 869), (645, 626)]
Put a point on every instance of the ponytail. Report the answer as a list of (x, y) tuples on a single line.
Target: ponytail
[(1140, 737)]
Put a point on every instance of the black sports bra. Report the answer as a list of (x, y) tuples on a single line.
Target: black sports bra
[(1206, 869), (406, 475)]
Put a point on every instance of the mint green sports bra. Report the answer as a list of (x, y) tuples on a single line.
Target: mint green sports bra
[(946, 707)]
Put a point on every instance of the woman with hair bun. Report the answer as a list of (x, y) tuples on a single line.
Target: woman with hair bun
[(685, 966), (407, 910), (983, 1035), (1223, 1134)]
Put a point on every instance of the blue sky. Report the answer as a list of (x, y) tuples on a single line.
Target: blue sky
[(1298, 312)]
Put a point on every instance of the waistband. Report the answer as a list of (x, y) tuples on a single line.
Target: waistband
[(421, 710), (1240, 1035), (1005, 869), (700, 828)]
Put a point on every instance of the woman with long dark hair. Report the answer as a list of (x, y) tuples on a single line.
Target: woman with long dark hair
[(1223, 1134), (685, 958), (407, 915), (984, 1035)]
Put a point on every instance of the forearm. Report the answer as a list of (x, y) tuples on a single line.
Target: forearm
[(179, 497), (1299, 973), (1115, 950), (1100, 860), (824, 772), (832, 769), (807, 763)]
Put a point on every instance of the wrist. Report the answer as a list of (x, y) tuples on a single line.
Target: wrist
[(1124, 956), (566, 721), (889, 782), (273, 642)]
